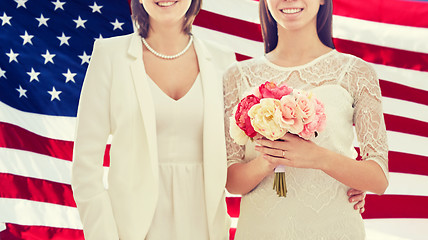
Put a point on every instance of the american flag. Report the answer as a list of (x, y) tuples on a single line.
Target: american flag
[(45, 46)]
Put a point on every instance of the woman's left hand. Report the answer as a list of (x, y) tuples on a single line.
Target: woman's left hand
[(357, 197), (291, 150)]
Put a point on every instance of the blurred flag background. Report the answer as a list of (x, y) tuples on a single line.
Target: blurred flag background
[(45, 47)]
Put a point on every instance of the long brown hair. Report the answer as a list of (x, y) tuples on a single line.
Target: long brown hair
[(270, 28), (141, 17)]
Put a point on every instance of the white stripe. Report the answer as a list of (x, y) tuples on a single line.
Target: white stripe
[(247, 10), (381, 34), (376, 33), (407, 143), (389, 229), (33, 165), (38, 166), (406, 77), (399, 184), (29, 164), (55, 127), (406, 109), (25, 212), (396, 228), (407, 184), (237, 44)]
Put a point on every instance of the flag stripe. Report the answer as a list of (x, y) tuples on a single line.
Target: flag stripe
[(36, 190), (407, 163), (26, 212), (19, 138), (391, 11), (374, 33), (37, 166), (19, 232), (377, 206), (398, 91), (22, 139), (385, 55), (40, 190), (406, 125)]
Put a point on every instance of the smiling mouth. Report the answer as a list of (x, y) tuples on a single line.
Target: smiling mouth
[(291, 10), (166, 4)]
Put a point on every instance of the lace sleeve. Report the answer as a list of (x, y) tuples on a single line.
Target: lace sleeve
[(368, 114), (231, 93)]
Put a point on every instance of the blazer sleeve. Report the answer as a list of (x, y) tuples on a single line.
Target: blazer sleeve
[(92, 131)]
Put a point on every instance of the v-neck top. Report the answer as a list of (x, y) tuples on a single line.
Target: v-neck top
[(181, 211)]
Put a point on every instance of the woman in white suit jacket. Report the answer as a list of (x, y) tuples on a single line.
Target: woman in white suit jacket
[(119, 100)]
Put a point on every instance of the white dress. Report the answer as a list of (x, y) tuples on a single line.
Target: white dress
[(316, 206), (180, 213)]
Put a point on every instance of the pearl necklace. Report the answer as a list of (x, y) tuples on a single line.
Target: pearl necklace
[(168, 57)]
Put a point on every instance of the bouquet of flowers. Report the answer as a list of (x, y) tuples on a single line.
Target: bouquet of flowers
[(273, 110)]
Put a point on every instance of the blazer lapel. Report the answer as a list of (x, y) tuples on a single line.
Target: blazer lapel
[(213, 132), (145, 99)]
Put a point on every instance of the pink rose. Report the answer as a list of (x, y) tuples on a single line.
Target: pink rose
[(306, 104), (317, 124), (320, 115), (290, 118), (271, 90), (241, 116)]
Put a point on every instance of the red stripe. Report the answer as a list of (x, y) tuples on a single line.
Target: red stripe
[(12, 136), (241, 57), (391, 11), (384, 55), (395, 206), (232, 232), (386, 206), (233, 204), (399, 91), (406, 125), (15, 137), (232, 26), (407, 163), (56, 193), (21, 232), (14, 186)]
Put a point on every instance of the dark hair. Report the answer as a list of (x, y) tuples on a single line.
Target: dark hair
[(141, 17), (270, 28)]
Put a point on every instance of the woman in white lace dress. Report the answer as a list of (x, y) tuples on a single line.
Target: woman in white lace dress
[(300, 52)]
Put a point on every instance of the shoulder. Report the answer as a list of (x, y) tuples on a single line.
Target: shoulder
[(117, 43), (357, 65), (222, 56), (245, 66)]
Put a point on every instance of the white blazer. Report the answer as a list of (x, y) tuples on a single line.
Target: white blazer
[(116, 100)]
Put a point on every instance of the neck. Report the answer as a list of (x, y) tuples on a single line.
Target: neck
[(167, 39), (299, 44)]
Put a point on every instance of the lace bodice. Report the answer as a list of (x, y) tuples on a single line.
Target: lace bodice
[(350, 91)]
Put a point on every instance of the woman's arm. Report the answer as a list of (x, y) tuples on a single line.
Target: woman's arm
[(92, 131), (244, 177)]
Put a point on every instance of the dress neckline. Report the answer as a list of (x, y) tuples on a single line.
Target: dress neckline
[(195, 82), (310, 63)]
